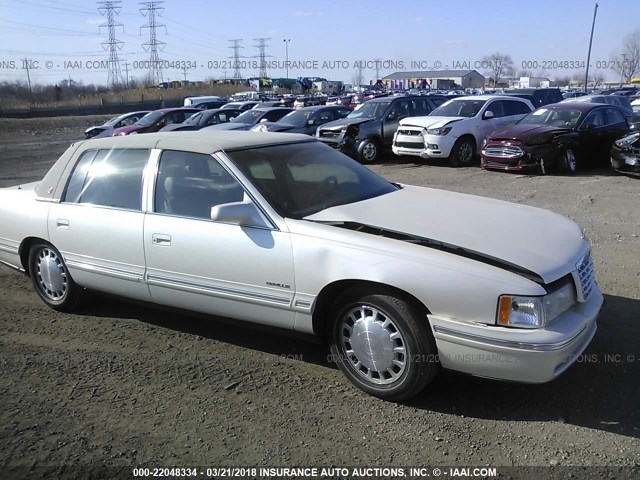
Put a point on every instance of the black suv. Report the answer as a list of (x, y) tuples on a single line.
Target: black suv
[(537, 96), (370, 128)]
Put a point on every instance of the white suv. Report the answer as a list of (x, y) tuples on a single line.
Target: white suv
[(457, 128)]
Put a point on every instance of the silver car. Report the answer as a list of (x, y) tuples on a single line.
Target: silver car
[(282, 230)]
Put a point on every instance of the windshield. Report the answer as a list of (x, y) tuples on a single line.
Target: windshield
[(249, 117), (194, 119), (150, 118), (459, 108), (553, 117), (301, 179), (297, 118), (370, 110)]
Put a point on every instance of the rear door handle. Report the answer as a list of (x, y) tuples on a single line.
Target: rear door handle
[(161, 239), (62, 224)]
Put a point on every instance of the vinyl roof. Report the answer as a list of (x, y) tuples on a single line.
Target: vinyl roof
[(196, 141)]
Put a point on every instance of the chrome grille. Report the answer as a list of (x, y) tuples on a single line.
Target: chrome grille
[(330, 134), (504, 152), (491, 164), (587, 276), (402, 131)]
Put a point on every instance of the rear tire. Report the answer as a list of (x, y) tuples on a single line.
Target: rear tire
[(383, 346), (462, 153), (51, 278)]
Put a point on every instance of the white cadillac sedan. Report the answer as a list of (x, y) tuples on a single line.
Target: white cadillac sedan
[(282, 230)]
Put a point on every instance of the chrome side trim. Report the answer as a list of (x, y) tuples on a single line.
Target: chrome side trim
[(109, 271), (537, 347), (186, 285), (8, 248), (12, 266), (302, 303)]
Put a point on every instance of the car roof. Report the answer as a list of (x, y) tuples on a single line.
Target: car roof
[(206, 142), (266, 109), (581, 106), (485, 97)]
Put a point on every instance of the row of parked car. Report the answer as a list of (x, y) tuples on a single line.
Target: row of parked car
[(508, 132)]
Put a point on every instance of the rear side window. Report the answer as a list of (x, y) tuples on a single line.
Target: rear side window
[(614, 116), (110, 178)]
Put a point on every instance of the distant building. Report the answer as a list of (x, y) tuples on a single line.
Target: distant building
[(530, 82), (327, 86), (434, 79)]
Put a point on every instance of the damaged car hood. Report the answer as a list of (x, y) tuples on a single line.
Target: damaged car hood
[(484, 229), (528, 133), (429, 121)]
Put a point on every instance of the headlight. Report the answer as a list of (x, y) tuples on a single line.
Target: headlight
[(535, 312), (438, 131), (484, 142), (626, 142)]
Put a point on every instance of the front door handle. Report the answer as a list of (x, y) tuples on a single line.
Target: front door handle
[(161, 239)]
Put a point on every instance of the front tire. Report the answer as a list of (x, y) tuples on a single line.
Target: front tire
[(567, 162), (368, 151), (51, 278), (383, 346), (463, 152)]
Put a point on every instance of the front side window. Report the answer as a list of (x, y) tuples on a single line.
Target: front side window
[(189, 184), (516, 108), (111, 178)]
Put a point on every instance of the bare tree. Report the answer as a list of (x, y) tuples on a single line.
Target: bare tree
[(524, 73), (564, 81), (627, 63), (497, 65)]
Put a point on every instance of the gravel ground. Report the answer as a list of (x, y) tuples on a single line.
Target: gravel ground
[(122, 384)]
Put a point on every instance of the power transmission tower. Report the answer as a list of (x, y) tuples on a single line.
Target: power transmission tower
[(262, 46), (110, 9), (151, 10), (126, 69), (237, 76)]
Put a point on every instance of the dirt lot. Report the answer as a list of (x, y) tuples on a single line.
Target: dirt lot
[(122, 384)]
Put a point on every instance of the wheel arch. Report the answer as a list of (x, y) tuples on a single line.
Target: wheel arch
[(325, 300), (472, 138), (25, 248)]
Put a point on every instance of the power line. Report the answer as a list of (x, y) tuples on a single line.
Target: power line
[(110, 9), (150, 11), (262, 47), (237, 76)]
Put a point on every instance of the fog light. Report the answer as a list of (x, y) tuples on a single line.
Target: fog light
[(433, 146)]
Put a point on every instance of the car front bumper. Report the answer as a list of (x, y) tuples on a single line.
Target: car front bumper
[(625, 161), (346, 145), (521, 355), (430, 146)]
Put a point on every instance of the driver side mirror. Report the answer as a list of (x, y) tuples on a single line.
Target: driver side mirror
[(244, 214), (488, 114), (392, 116), (311, 122), (588, 127)]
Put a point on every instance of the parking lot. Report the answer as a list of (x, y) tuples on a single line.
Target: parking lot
[(124, 384)]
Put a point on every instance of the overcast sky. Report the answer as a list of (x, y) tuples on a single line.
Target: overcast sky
[(453, 34)]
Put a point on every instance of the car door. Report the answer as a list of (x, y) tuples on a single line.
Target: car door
[(485, 124), (396, 112), (593, 135), (98, 224), (212, 267)]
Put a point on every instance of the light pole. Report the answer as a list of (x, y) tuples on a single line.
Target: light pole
[(622, 72), (286, 63), (593, 25)]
